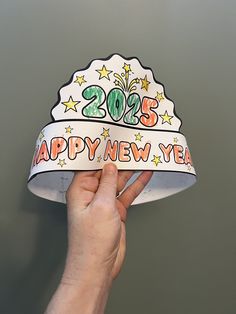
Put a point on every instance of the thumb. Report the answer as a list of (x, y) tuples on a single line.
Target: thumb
[(108, 184)]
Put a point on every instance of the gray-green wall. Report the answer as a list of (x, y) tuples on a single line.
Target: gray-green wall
[(181, 256)]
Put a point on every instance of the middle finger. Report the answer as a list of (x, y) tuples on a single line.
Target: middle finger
[(123, 178)]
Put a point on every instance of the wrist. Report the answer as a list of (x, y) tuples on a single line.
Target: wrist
[(98, 278), (78, 269), (87, 293)]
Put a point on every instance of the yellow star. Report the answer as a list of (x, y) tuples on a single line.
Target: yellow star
[(41, 135), (70, 104), (61, 162), (126, 67), (166, 118), (99, 158), (104, 73), (156, 160), (159, 96), (176, 140), (138, 137), (69, 129), (145, 83), (105, 133), (80, 80)]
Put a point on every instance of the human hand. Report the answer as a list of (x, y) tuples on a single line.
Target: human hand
[(96, 220), (96, 238)]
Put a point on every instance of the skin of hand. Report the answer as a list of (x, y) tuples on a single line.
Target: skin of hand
[(96, 217), (97, 213)]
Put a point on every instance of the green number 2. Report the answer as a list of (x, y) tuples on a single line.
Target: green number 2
[(97, 96), (134, 102)]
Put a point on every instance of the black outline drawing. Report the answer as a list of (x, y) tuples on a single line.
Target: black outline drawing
[(75, 169), (33, 163), (39, 153), (110, 143), (171, 117), (77, 102), (93, 99), (76, 153), (163, 153), (143, 149), (97, 138), (110, 71), (107, 122), (57, 146), (125, 149), (147, 81), (132, 109), (178, 163), (146, 115), (191, 163), (159, 160), (120, 90), (106, 59)]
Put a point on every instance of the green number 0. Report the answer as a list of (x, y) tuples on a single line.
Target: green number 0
[(116, 103)]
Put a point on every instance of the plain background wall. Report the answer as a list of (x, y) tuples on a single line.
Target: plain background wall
[(181, 254)]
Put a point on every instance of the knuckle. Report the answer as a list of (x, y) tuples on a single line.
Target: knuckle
[(133, 193), (79, 196), (123, 179), (141, 186), (107, 180), (102, 206), (87, 196), (99, 204), (84, 184), (89, 183), (108, 185)]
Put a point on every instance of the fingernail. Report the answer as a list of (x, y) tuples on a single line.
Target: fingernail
[(110, 168)]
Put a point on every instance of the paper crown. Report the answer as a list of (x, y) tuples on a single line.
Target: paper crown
[(113, 110)]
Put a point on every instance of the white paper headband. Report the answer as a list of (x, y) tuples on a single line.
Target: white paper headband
[(112, 111)]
